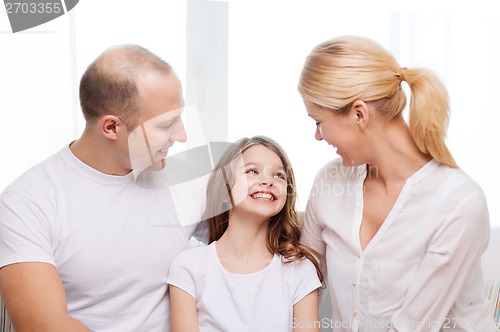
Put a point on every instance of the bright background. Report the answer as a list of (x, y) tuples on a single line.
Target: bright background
[(239, 62)]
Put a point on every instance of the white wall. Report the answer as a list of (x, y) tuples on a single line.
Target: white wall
[(267, 42)]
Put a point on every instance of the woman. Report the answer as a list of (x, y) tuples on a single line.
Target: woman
[(401, 227)]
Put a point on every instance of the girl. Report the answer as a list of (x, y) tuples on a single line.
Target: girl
[(401, 226), (254, 275)]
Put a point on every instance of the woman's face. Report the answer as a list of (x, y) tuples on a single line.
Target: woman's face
[(339, 131)]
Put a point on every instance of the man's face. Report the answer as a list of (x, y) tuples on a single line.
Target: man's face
[(159, 121)]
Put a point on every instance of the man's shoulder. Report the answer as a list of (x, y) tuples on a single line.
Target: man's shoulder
[(39, 176)]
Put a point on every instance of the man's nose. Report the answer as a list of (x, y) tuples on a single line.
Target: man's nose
[(179, 134)]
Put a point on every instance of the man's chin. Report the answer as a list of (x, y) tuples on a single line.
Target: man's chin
[(158, 166)]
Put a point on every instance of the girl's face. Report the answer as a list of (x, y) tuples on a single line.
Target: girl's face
[(260, 183), (337, 130)]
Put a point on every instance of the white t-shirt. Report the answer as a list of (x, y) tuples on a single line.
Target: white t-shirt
[(260, 301), (421, 270), (111, 238)]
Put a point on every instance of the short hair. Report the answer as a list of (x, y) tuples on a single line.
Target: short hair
[(109, 84)]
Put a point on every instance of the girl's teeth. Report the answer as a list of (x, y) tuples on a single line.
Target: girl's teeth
[(263, 196)]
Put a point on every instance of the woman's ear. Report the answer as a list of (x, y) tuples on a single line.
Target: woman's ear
[(361, 114), (110, 126)]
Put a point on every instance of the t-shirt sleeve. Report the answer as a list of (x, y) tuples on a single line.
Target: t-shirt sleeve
[(25, 231), (305, 278), (181, 272)]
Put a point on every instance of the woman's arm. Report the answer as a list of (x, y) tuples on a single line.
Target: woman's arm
[(306, 313), (452, 254), (183, 312), (311, 233)]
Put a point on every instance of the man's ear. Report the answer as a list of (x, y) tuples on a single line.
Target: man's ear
[(361, 113), (110, 126)]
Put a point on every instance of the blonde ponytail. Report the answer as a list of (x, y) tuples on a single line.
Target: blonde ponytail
[(429, 110)]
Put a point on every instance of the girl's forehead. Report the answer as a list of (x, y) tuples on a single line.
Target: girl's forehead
[(261, 155)]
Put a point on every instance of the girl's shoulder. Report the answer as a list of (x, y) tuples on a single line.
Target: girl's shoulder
[(194, 254), (298, 265)]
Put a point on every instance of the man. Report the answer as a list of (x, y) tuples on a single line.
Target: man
[(83, 245)]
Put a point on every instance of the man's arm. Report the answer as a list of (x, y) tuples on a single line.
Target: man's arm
[(34, 296)]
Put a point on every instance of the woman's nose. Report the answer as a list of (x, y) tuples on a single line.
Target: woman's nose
[(317, 134)]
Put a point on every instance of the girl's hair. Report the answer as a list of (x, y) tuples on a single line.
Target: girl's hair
[(283, 236), (345, 69)]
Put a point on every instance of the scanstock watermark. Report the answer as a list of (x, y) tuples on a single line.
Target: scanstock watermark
[(24, 15)]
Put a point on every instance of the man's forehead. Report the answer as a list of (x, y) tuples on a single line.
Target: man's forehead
[(165, 116)]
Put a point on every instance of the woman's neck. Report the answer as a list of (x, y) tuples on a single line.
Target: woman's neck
[(395, 157)]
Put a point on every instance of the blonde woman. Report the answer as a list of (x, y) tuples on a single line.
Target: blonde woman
[(402, 228)]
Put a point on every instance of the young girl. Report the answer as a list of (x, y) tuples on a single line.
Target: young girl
[(254, 275)]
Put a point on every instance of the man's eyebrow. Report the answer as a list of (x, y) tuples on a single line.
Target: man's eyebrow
[(170, 120)]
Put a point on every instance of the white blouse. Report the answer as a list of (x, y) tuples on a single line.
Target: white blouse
[(421, 271)]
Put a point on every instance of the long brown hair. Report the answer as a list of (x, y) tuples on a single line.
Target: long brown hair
[(283, 234), (345, 69)]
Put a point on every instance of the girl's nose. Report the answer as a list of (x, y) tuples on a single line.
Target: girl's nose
[(266, 181)]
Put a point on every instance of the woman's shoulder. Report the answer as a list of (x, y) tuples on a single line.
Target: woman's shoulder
[(456, 180)]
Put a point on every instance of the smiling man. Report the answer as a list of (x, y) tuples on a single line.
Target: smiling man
[(83, 246)]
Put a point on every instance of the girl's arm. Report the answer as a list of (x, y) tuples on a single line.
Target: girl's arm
[(306, 313), (183, 312)]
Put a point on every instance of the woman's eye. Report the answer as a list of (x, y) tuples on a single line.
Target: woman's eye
[(251, 171)]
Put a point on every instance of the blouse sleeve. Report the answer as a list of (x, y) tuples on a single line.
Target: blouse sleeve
[(452, 253), (312, 230)]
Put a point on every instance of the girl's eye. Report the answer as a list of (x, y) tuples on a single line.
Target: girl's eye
[(280, 175), (317, 123), (251, 171)]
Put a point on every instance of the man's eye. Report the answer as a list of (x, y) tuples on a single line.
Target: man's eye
[(168, 124)]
